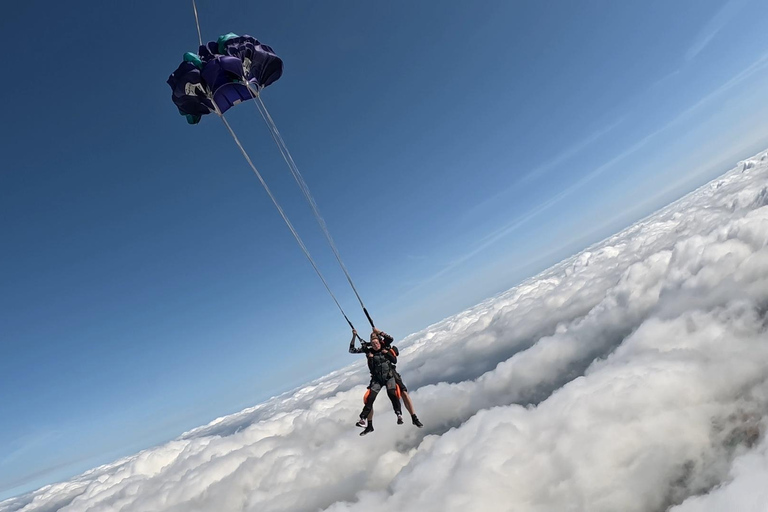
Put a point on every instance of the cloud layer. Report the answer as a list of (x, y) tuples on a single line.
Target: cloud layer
[(629, 377)]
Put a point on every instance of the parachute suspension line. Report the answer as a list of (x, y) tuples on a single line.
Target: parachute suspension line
[(262, 108), (274, 200), (282, 214), (197, 22)]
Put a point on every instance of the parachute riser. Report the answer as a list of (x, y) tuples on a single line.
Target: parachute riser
[(262, 108), (215, 106), (255, 91), (370, 320), (197, 23), (288, 223)]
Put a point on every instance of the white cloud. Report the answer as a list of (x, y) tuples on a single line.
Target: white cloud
[(629, 377), (745, 490)]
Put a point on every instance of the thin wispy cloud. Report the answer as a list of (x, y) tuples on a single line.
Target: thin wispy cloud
[(488, 240), (544, 168), (17, 448), (665, 79), (761, 64), (567, 155), (520, 221), (713, 27)]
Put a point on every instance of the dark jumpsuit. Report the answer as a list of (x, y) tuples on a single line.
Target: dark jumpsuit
[(381, 365), (386, 342)]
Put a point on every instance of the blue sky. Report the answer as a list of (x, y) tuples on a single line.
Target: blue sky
[(149, 286)]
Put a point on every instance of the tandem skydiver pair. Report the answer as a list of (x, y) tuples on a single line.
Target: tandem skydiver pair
[(381, 356)]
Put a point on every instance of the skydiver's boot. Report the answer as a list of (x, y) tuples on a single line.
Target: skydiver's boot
[(368, 429), (399, 420), (360, 422), (416, 421)]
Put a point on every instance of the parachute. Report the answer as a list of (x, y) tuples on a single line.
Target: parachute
[(232, 70), (222, 74)]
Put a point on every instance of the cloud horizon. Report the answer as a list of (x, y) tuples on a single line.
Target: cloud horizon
[(632, 376)]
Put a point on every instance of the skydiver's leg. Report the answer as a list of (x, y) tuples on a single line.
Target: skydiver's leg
[(404, 393), (373, 391), (392, 393), (370, 415), (361, 421), (375, 388), (407, 400)]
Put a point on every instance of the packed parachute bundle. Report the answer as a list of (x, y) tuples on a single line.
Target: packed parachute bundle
[(222, 74)]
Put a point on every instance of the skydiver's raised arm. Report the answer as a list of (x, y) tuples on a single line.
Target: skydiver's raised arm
[(352, 348)]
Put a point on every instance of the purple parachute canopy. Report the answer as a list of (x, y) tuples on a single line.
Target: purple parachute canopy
[(220, 75), (260, 63), (224, 75), (190, 92)]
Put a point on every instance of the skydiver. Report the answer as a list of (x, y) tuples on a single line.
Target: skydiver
[(386, 342), (380, 363)]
